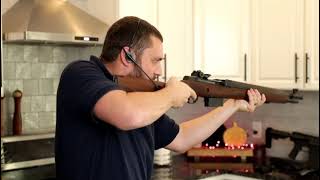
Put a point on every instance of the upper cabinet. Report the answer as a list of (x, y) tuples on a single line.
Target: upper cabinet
[(267, 42), (176, 25), (277, 42), (286, 43), (221, 34), (311, 44), (174, 20)]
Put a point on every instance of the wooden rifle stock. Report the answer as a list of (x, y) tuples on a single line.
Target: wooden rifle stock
[(209, 89)]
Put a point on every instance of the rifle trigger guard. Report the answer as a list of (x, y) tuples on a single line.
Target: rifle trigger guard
[(192, 101)]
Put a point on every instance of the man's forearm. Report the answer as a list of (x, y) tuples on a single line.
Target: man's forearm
[(197, 130), (128, 111), (149, 106)]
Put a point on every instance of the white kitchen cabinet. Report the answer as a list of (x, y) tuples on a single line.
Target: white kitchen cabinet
[(311, 45), (276, 37), (221, 34), (174, 20), (284, 32), (175, 24), (277, 43)]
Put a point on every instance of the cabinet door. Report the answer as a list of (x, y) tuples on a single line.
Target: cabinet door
[(221, 38), (174, 20), (277, 44), (175, 24), (311, 64)]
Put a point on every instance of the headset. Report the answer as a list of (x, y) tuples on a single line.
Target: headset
[(129, 55), (130, 58)]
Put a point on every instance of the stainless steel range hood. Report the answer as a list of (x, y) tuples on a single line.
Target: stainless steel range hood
[(51, 21)]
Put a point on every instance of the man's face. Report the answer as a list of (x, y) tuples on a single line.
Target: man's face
[(150, 60)]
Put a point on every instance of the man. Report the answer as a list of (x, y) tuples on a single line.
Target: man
[(103, 132)]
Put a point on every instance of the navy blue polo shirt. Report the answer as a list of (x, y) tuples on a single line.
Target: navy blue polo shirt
[(88, 148)]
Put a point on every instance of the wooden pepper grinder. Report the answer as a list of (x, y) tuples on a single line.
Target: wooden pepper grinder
[(17, 120), (2, 112)]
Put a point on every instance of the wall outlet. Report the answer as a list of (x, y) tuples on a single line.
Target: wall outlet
[(256, 129)]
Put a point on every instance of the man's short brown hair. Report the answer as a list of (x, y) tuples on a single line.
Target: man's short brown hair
[(128, 31)]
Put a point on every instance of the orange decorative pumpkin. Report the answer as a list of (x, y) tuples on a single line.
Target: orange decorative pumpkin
[(235, 136)]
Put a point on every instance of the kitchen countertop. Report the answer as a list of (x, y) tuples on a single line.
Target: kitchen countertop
[(46, 172), (183, 168), (269, 169), (180, 169)]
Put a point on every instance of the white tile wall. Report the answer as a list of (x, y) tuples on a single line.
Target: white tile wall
[(35, 70)]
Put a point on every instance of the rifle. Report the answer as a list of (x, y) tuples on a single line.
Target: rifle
[(213, 91), (300, 140)]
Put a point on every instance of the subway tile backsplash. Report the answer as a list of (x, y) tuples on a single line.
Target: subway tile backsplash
[(35, 69)]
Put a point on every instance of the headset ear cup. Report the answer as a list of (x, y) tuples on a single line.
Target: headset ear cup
[(129, 57)]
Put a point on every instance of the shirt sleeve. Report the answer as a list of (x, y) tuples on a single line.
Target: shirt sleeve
[(165, 131), (84, 85)]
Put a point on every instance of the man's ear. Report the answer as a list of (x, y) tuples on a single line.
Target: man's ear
[(124, 56)]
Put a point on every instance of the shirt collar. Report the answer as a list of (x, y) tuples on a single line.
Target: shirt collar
[(98, 62)]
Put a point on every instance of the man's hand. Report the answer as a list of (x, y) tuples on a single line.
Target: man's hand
[(255, 100), (179, 92)]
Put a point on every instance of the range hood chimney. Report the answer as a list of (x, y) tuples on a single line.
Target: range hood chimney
[(51, 21)]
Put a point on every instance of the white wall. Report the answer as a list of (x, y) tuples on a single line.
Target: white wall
[(105, 10), (6, 4)]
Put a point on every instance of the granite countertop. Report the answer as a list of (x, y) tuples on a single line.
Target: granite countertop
[(46, 172), (269, 168), (180, 168)]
